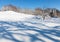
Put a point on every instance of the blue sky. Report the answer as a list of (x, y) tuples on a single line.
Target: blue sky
[(32, 3)]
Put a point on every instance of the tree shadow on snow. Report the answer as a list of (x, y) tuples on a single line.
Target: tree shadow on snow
[(7, 34)]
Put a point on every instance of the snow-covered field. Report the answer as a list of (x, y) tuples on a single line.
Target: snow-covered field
[(19, 27)]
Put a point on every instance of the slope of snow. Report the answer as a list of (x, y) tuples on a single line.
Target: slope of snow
[(19, 27), (13, 16)]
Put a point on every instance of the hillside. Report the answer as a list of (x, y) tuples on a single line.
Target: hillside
[(20, 27), (13, 16)]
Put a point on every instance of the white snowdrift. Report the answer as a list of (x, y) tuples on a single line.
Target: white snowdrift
[(13, 16)]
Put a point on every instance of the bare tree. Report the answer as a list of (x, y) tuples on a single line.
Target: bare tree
[(10, 8)]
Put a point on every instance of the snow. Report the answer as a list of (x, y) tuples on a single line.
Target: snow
[(20, 27), (13, 16), (51, 24)]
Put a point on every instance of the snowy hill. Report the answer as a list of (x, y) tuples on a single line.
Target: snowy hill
[(13, 16), (19, 27)]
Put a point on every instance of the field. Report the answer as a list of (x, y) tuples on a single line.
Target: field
[(20, 27)]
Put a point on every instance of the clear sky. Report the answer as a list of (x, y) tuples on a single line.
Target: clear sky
[(32, 3)]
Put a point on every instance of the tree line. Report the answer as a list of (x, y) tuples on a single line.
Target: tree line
[(53, 12)]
